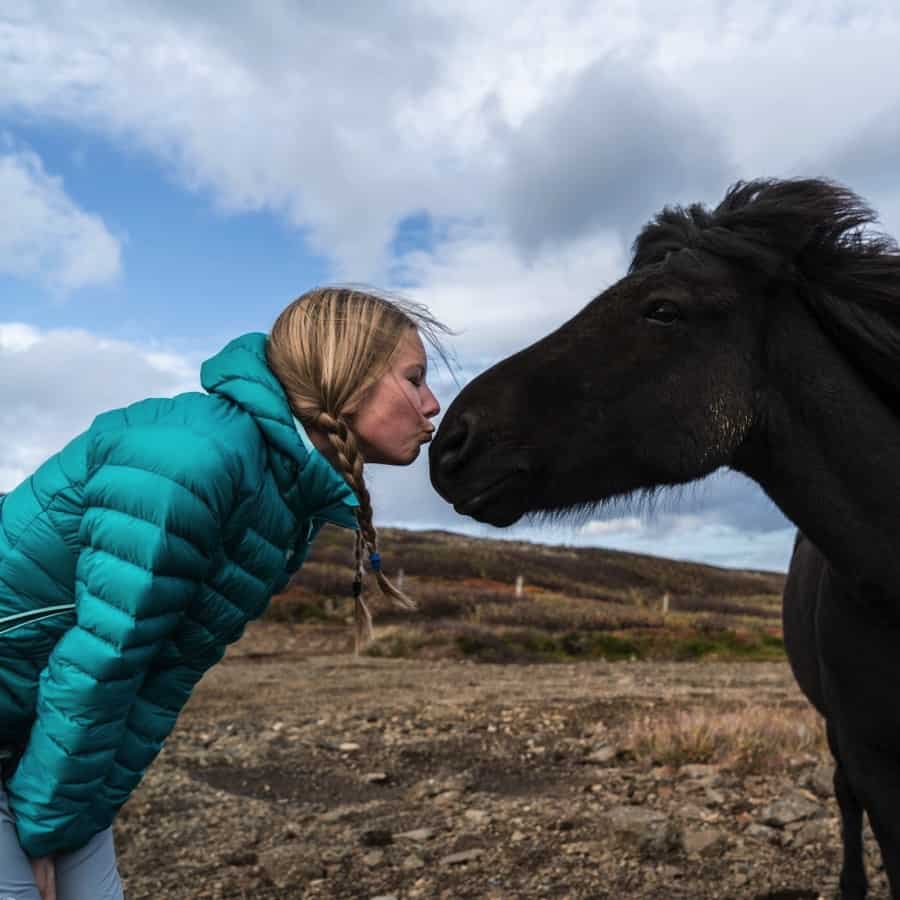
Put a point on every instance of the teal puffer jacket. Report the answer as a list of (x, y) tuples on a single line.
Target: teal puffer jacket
[(169, 524)]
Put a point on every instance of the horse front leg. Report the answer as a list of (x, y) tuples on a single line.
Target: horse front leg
[(854, 885)]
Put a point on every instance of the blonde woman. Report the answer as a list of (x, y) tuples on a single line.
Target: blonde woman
[(129, 560)]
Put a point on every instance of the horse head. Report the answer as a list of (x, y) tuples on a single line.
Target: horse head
[(666, 375)]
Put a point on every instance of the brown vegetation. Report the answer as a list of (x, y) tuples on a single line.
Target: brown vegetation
[(576, 603)]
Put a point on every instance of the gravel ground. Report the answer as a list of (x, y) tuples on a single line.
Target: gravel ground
[(299, 771)]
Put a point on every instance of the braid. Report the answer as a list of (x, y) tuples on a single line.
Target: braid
[(350, 461), (362, 618), (343, 441)]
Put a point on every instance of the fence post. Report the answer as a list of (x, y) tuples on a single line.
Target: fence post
[(665, 603), (400, 579), (520, 583)]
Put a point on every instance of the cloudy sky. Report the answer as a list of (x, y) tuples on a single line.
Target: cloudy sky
[(173, 174)]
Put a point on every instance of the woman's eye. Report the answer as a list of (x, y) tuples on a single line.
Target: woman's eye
[(664, 312)]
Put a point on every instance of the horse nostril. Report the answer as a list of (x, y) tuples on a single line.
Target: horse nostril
[(460, 443)]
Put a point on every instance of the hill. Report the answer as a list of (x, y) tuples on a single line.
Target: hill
[(573, 602)]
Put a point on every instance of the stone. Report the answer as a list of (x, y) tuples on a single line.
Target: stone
[(821, 782), (373, 858), (639, 828), (376, 778), (464, 856), (412, 862), (419, 835), (336, 814), (761, 833), (697, 770), (477, 816), (791, 809), (669, 873), (817, 831), (703, 843), (348, 747), (691, 811), (601, 755)]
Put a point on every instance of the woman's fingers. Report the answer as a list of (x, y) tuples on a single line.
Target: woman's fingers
[(44, 870)]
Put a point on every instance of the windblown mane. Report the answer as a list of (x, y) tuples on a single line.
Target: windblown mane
[(810, 234)]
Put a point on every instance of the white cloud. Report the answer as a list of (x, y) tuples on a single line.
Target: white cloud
[(709, 542), (262, 106), (787, 83), (611, 526), (478, 282), (17, 336), (347, 118), (534, 135), (62, 379), (642, 144), (44, 234)]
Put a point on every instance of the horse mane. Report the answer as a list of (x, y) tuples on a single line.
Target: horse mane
[(808, 234)]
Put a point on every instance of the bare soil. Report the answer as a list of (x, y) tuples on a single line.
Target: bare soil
[(300, 771)]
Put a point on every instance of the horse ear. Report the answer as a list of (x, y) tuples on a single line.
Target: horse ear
[(671, 230)]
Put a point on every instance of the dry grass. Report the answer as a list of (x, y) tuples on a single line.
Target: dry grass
[(557, 612), (751, 740), (766, 606)]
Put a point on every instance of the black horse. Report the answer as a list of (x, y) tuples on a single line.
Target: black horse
[(763, 335)]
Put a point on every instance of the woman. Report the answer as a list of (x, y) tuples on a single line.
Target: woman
[(161, 531)]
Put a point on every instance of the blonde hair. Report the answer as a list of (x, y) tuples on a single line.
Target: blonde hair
[(328, 348)]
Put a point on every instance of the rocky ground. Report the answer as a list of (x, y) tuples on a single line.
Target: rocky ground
[(299, 771)]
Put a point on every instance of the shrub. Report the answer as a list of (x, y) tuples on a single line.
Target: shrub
[(297, 607), (729, 644), (750, 740)]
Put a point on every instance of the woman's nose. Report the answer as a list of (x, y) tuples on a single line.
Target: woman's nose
[(431, 407)]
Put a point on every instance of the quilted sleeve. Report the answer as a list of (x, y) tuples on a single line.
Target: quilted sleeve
[(154, 505)]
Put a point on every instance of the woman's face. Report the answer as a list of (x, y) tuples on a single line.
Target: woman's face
[(392, 422)]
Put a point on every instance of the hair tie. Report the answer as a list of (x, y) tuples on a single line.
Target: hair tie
[(375, 561)]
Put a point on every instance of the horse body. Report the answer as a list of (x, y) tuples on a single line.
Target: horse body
[(764, 336)]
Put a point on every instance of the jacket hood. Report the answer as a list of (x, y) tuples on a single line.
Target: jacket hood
[(310, 485)]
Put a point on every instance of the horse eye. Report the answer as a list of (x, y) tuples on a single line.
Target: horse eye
[(664, 313)]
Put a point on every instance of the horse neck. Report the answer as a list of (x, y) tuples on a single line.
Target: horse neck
[(827, 450)]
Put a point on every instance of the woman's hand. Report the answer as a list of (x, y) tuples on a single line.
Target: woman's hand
[(44, 869)]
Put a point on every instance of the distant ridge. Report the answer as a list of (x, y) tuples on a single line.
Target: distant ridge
[(576, 571)]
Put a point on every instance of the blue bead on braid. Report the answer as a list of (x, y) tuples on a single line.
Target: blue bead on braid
[(375, 561)]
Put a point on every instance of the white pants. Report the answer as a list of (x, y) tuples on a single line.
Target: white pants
[(86, 874)]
